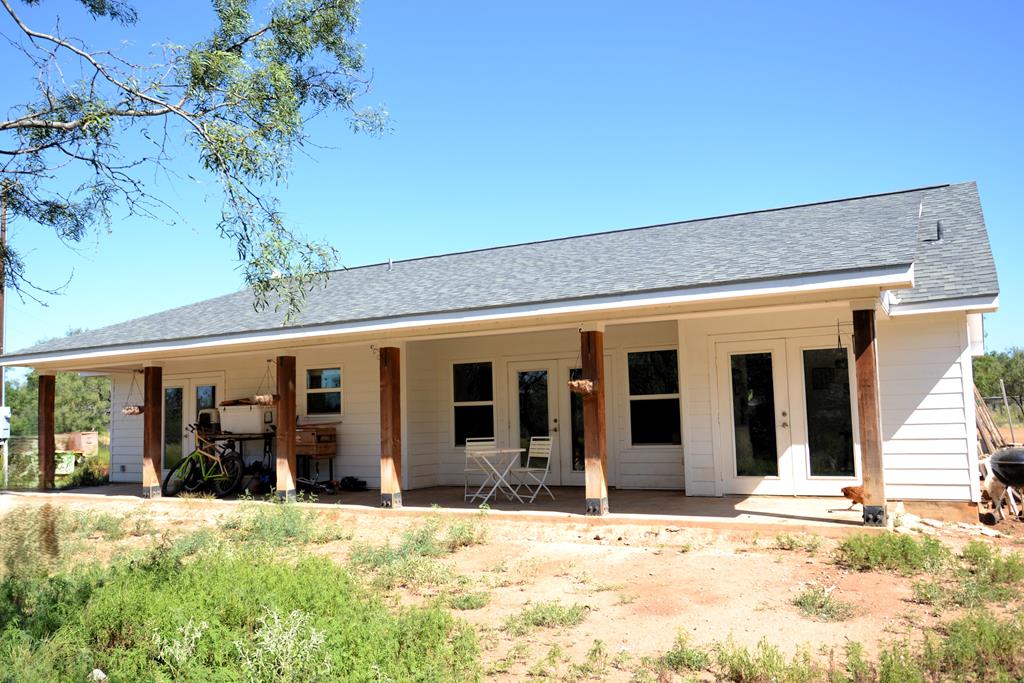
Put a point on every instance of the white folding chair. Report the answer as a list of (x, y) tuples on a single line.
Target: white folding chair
[(533, 475), (475, 446)]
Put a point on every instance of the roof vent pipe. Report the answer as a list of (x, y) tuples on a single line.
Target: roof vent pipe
[(391, 264)]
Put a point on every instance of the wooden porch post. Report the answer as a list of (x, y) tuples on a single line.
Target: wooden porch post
[(286, 489), (47, 447), (390, 428), (152, 430), (866, 358), (595, 457)]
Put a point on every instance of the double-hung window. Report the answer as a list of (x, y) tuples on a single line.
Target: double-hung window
[(654, 398), (473, 401), (323, 391)]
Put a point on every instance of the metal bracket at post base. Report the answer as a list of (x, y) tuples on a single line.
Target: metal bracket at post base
[(391, 500), (151, 491), (289, 496), (597, 506), (875, 515)]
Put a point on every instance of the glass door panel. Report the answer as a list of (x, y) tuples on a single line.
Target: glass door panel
[(829, 420), (753, 401), (174, 425), (576, 425), (754, 429), (533, 406)]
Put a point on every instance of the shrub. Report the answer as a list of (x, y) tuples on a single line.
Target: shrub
[(279, 523), (544, 615), (229, 611), (466, 601), (929, 592), (766, 663), (89, 473), (682, 657), (808, 543), (818, 603), (892, 552)]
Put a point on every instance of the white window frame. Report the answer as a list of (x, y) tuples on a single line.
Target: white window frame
[(461, 404), (306, 391), (652, 397)]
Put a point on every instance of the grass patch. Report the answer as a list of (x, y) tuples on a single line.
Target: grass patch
[(683, 658), (765, 663), (595, 665), (278, 523), (818, 603), (468, 601), (893, 552), (201, 608), (414, 561), (809, 543), (549, 614)]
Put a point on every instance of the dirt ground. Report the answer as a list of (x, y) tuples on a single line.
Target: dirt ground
[(639, 584)]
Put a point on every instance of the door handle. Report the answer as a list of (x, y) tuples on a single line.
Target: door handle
[(784, 424)]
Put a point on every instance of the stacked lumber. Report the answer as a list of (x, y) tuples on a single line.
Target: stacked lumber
[(989, 438)]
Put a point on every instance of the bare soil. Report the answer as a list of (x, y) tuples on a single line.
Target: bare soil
[(640, 585)]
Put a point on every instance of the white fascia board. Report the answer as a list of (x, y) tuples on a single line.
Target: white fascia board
[(974, 304), (887, 277)]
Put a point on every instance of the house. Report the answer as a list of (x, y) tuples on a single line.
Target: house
[(790, 351)]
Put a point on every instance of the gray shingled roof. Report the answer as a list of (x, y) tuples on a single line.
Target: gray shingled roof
[(843, 235)]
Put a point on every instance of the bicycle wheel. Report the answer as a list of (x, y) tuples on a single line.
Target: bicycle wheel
[(231, 477), (184, 476)]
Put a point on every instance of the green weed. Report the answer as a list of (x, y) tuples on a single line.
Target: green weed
[(682, 657), (806, 542), (818, 603), (893, 552), (544, 615), (467, 601)]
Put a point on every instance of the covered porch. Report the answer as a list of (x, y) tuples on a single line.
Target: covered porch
[(402, 409)]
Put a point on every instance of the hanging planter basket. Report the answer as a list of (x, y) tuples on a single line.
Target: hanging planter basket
[(129, 408), (583, 387), (265, 399)]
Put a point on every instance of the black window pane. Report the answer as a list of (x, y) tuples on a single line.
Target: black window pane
[(473, 422), (829, 422), (655, 421), (323, 403), (576, 412), (653, 372), (173, 426), (753, 404), (206, 397), (323, 378), (472, 382), (533, 406)]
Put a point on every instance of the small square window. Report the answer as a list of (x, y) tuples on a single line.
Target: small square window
[(323, 391)]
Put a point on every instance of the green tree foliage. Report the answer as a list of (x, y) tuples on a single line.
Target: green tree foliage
[(238, 100), (81, 403), (1006, 365)]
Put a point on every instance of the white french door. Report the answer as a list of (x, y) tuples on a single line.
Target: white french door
[(787, 416), (826, 443), (540, 404), (183, 398), (754, 419)]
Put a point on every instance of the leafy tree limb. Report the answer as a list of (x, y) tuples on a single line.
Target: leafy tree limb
[(239, 100)]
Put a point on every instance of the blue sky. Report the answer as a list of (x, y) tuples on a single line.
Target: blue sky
[(530, 120)]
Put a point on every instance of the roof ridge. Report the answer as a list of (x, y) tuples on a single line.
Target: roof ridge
[(639, 227)]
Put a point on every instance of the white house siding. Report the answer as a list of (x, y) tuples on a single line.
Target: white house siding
[(430, 410), (927, 386), (125, 432), (924, 370)]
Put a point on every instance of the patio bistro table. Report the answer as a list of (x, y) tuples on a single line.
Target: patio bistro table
[(492, 461)]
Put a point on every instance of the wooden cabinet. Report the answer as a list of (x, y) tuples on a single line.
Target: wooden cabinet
[(313, 441)]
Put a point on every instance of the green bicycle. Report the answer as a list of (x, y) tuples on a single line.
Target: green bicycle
[(209, 465)]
